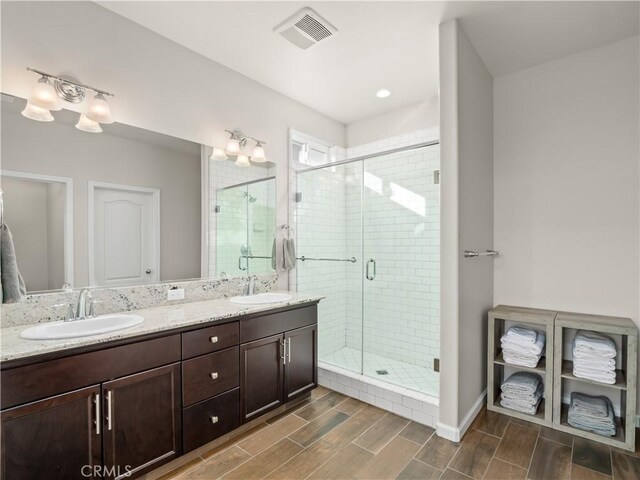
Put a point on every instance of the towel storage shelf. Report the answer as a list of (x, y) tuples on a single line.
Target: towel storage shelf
[(500, 319), (556, 368)]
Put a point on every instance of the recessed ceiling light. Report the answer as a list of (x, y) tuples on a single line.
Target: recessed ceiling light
[(384, 93)]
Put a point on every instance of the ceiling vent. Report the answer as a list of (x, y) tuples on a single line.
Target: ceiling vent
[(305, 28)]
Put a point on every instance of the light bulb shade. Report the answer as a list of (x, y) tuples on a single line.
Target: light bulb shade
[(242, 161), (87, 125), (258, 154), (218, 154), (233, 147), (44, 95), (37, 113), (99, 110)]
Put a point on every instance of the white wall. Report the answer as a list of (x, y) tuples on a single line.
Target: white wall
[(394, 122), (466, 137), (567, 190), (159, 85)]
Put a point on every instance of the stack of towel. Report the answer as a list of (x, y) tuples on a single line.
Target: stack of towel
[(594, 357), (594, 414), (522, 392), (522, 346)]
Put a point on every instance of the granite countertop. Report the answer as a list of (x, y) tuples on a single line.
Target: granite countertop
[(155, 320)]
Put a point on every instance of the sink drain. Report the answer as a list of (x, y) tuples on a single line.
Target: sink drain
[(382, 372)]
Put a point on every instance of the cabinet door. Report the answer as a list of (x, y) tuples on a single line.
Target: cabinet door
[(301, 354), (142, 421), (261, 376), (54, 438)]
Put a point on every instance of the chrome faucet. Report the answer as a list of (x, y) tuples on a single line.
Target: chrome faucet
[(81, 309), (250, 289)]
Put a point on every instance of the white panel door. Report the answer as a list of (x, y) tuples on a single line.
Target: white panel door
[(125, 238)]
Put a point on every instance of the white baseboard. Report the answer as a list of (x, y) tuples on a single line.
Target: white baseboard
[(455, 433)]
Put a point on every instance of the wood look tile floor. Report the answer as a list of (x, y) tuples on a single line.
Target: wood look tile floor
[(331, 436)]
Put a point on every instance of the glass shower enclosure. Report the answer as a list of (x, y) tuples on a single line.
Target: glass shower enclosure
[(245, 226), (376, 221)]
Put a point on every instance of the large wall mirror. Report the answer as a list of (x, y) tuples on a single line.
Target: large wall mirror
[(125, 206)]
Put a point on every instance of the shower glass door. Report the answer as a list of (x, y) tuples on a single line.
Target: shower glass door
[(380, 317), (401, 221), (328, 220)]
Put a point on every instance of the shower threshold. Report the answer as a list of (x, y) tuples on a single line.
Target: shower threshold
[(420, 406)]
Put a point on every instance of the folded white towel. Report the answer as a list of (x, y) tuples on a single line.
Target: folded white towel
[(521, 334), (514, 358), (596, 376), (519, 407), (533, 348), (590, 362), (594, 344)]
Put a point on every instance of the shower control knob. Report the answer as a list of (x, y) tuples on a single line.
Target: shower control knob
[(148, 271)]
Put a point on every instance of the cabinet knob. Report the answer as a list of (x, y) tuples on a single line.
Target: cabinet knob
[(214, 375), (213, 419), (213, 339)]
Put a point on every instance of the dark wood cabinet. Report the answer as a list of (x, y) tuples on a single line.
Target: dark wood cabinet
[(123, 409), (300, 370), (261, 376), (142, 421), (278, 368), (55, 438)]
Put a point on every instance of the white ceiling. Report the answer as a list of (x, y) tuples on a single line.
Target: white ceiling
[(392, 45)]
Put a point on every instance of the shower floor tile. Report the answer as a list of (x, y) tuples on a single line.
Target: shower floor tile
[(406, 375)]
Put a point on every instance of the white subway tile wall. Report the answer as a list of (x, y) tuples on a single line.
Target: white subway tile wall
[(394, 200)]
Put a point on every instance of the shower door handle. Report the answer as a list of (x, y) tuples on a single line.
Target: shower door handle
[(368, 274)]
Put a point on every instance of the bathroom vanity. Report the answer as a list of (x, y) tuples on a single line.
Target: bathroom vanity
[(131, 404)]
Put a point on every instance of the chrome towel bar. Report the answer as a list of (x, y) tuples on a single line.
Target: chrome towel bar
[(488, 253), (304, 259)]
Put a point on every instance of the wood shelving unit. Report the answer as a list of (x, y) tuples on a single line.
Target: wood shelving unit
[(500, 318), (622, 392), (556, 368)]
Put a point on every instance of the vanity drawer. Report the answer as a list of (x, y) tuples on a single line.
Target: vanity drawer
[(26, 384), (209, 375), (211, 339), (275, 323), (208, 420)]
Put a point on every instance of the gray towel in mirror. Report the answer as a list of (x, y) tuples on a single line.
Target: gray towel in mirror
[(288, 254), (273, 254), (13, 289)]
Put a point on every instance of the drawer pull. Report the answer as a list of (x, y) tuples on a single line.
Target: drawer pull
[(214, 375), (213, 419), (213, 339)]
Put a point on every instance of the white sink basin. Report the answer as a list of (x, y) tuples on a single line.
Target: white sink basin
[(260, 298), (81, 328)]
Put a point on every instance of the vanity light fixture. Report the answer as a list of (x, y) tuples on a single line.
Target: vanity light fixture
[(218, 154), (99, 110), (235, 145), (258, 155), (87, 125), (37, 113), (50, 89), (242, 161), (44, 95)]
